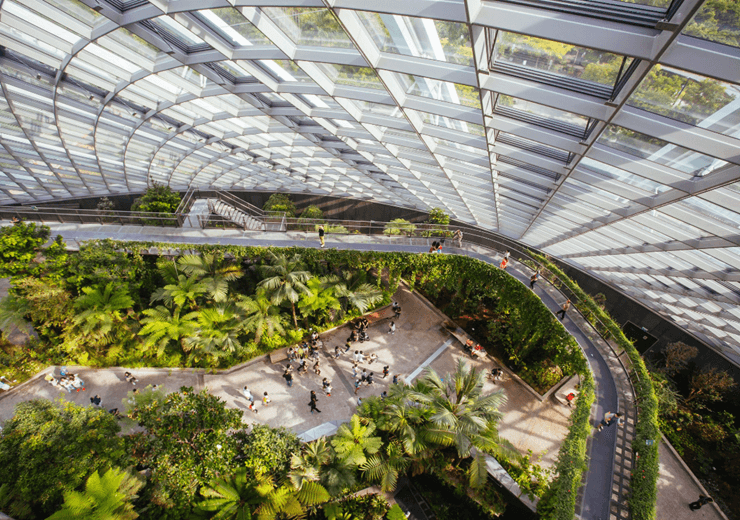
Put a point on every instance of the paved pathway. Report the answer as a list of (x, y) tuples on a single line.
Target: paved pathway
[(605, 493)]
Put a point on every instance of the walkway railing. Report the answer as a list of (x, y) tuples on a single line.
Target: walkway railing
[(181, 213), (87, 216)]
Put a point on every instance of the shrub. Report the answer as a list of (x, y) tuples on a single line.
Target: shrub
[(158, 199), (399, 226), (280, 202), (312, 212), (19, 245)]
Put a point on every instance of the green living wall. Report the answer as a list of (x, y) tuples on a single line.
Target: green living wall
[(645, 473)]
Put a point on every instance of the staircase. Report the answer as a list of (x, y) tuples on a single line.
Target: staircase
[(236, 215), (198, 209)]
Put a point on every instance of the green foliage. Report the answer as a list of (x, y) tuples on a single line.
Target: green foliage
[(364, 507), (50, 448), (100, 262), (399, 226), (105, 498), (19, 245), (280, 202), (354, 441), (717, 21), (158, 199), (559, 501), (312, 212), (645, 472), (438, 216), (186, 443), (267, 448)]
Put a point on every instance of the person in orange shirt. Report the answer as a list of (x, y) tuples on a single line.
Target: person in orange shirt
[(504, 263)]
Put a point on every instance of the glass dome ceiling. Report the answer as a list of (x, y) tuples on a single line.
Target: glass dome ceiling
[(605, 133)]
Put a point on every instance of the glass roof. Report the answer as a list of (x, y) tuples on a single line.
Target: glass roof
[(613, 146)]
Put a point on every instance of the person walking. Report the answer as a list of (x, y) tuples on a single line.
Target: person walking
[(395, 379), (337, 352), (252, 408), (313, 401), (373, 358), (96, 401), (563, 310), (703, 500), (321, 235), (326, 385), (369, 379), (266, 399), (317, 368), (247, 394), (354, 368), (361, 357), (503, 263), (457, 237), (288, 378), (385, 371), (533, 280), (397, 310), (609, 419), (357, 385), (392, 328)]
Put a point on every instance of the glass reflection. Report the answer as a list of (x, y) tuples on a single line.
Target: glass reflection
[(717, 21), (310, 26), (690, 98), (229, 23), (431, 39), (353, 76), (559, 58), (659, 151), (441, 90)]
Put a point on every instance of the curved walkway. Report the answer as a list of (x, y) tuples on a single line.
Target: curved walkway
[(604, 495)]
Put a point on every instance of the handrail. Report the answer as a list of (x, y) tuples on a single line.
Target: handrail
[(185, 204), (88, 216), (233, 200)]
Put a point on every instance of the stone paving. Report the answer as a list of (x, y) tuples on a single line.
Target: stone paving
[(672, 475)]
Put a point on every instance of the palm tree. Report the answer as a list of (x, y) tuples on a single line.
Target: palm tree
[(240, 498), (214, 273), (105, 498), (285, 280), (319, 299), (260, 316), (352, 441), (217, 333), (353, 290), (385, 466), (100, 310), (318, 462), (184, 291), (463, 417), (162, 327)]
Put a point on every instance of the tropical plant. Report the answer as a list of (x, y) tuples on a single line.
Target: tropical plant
[(352, 290), (100, 315), (50, 448), (19, 245), (105, 498), (267, 448), (217, 334), (280, 202), (354, 440), (320, 300), (260, 316), (318, 462), (213, 272), (677, 356), (386, 465), (312, 212), (158, 199), (163, 326), (186, 440), (183, 292), (464, 417), (285, 279), (243, 498), (399, 226)]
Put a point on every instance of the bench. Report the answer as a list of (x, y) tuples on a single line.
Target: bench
[(380, 315)]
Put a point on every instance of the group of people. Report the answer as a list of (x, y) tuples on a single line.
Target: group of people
[(436, 247), (66, 381)]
